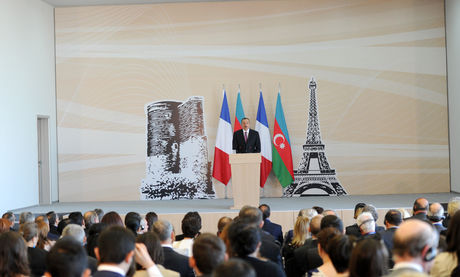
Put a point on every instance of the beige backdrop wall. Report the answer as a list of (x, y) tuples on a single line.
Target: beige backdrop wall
[(380, 68)]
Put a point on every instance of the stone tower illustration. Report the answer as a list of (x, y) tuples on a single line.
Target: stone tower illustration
[(314, 174)]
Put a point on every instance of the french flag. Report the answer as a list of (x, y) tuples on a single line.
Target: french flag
[(265, 141), (221, 170)]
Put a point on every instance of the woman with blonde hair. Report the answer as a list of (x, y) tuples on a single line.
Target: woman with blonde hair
[(301, 233)]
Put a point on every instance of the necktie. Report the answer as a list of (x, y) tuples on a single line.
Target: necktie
[(245, 137)]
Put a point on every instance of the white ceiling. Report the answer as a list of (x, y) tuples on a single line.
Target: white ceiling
[(75, 3)]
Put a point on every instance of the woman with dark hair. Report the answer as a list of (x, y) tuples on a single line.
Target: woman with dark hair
[(367, 259), (446, 263), (153, 244), (339, 251), (93, 235), (151, 217), (13, 256), (112, 218), (43, 241), (324, 238), (36, 256)]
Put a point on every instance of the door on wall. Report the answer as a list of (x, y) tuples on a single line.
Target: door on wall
[(44, 183)]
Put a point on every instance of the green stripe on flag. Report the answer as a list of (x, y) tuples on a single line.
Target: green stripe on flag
[(280, 169)]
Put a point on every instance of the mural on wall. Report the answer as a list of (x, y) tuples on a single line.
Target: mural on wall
[(314, 176), (177, 153)]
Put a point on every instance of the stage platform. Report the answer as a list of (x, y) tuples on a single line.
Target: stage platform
[(284, 210)]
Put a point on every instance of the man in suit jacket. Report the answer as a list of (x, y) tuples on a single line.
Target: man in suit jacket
[(172, 260), (10, 216), (246, 140), (415, 244), (53, 219), (436, 216), (208, 252), (420, 209), (393, 219), (270, 227)]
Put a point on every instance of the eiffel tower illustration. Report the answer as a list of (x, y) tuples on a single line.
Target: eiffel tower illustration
[(314, 176)]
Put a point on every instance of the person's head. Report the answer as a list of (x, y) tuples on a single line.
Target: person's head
[(164, 230), (265, 209), (318, 209), (252, 216), (43, 218), (100, 213), (153, 244), (420, 206), (366, 223), (325, 236), (116, 246), (144, 226), (133, 224), (315, 225), (301, 226), (75, 231), (63, 223), (93, 235), (90, 218), (371, 209), (234, 267), (453, 206), (245, 123), (310, 213), (244, 238), (358, 209), (43, 230), (223, 221), (67, 258), (10, 216), (151, 217), (112, 218), (26, 217), (330, 212), (29, 232), (339, 251), (77, 217), (404, 213), (393, 218), (208, 252), (53, 218), (190, 226), (224, 236), (368, 259), (13, 255), (415, 241), (133, 215), (332, 221), (435, 213), (4, 225)]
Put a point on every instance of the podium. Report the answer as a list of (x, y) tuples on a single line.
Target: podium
[(245, 179)]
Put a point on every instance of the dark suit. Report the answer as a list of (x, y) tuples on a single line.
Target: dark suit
[(253, 144), (264, 268), (314, 260), (54, 230), (177, 262), (353, 230), (269, 248), (421, 216), (301, 255), (52, 236), (37, 263), (106, 274), (274, 230), (92, 264)]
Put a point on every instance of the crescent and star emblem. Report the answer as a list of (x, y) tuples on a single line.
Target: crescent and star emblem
[(282, 145)]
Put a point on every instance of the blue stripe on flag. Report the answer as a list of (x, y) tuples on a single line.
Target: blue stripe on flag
[(224, 112), (261, 114)]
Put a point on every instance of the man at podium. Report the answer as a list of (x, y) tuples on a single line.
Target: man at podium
[(246, 140)]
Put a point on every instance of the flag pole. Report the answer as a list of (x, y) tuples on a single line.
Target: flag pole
[(263, 189), (227, 184), (284, 189)]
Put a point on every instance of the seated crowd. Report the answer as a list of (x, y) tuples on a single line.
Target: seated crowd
[(97, 244)]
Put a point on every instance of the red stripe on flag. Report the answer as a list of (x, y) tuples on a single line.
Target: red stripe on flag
[(237, 125), (284, 148), (265, 168), (221, 170)]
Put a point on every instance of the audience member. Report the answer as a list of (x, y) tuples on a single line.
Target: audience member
[(26, 217), (190, 226), (234, 267), (36, 256), (93, 235), (63, 223), (11, 218), (112, 218), (366, 259), (435, 215), (151, 217), (44, 218), (224, 237), (269, 248), (67, 258), (245, 241), (173, 260), (310, 213), (446, 263), (223, 221), (420, 209), (332, 221), (187, 215), (301, 234), (5, 225), (301, 254), (53, 219), (208, 253), (414, 248), (100, 214), (144, 228), (393, 219), (404, 213), (153, 245), (371, 209), (339, 252), (133, 224), (452, 208), (330, 212), (326, 267), (90, 218), (318, 209), (353, 230), (43, 241), (13, 255), (270, 227), (77, 217), (366, 224)]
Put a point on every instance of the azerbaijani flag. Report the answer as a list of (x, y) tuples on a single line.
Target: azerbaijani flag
[(265, 142), (221, 170), (282, 155), (239, 113)]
